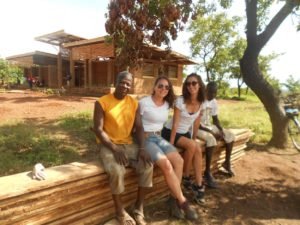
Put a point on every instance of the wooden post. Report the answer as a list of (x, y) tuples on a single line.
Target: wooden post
[(85, 73), (40, 73), (59, 68), (49, 76), (90, 72), (72, 69)]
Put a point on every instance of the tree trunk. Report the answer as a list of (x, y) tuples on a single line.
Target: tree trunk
[(270, 99), (239, 87)]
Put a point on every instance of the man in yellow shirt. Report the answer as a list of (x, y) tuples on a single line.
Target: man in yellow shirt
[(115, 116)]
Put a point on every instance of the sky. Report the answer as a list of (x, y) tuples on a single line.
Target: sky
[(22, 21)]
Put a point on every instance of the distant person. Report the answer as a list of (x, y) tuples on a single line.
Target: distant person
[(68, 79), (177, 131), (154, 112), (210, 133), (30, 80), (115, 117)]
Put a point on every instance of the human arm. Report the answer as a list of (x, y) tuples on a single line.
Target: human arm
[(201, 127), (139, 131), (195, 126), (176, 120), (217, 123), (215, 119), (98, 119)]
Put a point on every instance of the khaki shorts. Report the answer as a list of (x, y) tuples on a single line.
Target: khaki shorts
[(210, 139), (116, 171)]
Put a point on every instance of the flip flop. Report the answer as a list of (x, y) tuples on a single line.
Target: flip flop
[(126, 219), (139, 217), (228, 170)]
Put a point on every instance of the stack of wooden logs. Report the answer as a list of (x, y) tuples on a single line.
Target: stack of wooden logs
[(78, 193)]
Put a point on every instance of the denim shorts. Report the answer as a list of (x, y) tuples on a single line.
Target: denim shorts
[(157, 147)]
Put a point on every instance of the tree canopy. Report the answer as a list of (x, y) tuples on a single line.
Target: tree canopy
[(9, 73), (213, 37), (134, 23)]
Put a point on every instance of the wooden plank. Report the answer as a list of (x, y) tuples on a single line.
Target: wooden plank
[(36, 205), (21, 183), (55, 200), (49, 191), (79, 193)]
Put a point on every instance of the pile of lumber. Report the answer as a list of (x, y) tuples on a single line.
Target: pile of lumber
[(242, 137), (78, 193)]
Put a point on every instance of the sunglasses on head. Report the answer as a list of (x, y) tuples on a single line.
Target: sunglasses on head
[(161, 86), (193, 83)]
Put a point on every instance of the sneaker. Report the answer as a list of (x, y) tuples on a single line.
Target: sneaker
[(198, 192), (210, 180), (175, 211), (187, 183), (189, 212)]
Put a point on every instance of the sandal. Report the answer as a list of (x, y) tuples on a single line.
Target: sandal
[(228, 169), (139, 217), (126, 219)]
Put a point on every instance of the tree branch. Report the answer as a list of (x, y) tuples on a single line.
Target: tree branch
[(271, 28), (251, 28)]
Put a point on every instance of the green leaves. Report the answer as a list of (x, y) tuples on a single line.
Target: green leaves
[(212, 41), (10, 73), (132, 24)]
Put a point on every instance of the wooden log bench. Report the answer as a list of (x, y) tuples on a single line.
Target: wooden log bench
[(78, 193)]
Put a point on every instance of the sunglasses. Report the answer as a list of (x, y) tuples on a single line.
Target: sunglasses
[(193, 83), (161, 86)]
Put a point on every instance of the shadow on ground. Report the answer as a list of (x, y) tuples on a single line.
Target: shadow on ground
[(51, 142), (236, 203)]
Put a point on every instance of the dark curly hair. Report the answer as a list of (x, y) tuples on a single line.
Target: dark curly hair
[(170, 97), (201, 93)]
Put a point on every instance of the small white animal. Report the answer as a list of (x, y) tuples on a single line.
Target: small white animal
[(38, 172)]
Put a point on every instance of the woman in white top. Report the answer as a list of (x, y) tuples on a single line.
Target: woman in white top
[(154, 111), (177, 131)]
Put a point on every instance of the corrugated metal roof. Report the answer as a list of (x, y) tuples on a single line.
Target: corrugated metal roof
[(58, 38)]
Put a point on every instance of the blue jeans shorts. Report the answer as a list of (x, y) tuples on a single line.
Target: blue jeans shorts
[(157, 147)]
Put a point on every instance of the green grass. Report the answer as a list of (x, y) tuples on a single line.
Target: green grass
[(248, 113), (69, 139), (23, 144)]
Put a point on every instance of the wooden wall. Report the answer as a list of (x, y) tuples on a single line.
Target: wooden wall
[(100, 74), (92, 51), (143, 81)]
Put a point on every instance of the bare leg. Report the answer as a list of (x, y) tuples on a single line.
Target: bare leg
[(139, 204), (228, 147), (189, 147), (208, 157), (171, 179), (197, 163), (118, 205), (177, 163), (227, 164)]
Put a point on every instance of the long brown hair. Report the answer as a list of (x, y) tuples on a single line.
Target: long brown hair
[(170, 97), (201, 93)]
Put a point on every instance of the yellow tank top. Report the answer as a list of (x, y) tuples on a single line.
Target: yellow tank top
[(119, 117)]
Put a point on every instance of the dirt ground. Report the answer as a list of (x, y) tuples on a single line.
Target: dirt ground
[(265, 190)]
